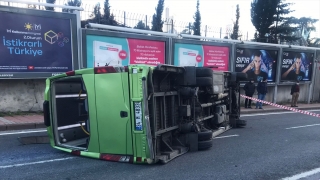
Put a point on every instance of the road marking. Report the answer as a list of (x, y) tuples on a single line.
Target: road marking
[(311, 125), (32, 163), (303, 175), (220, 137), (21, 132), (265, 114), (39, 130)]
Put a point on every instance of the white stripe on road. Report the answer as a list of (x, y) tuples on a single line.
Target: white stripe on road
[(303, 175), (21, 132), (311, 125), (32, 163), (275, 113), (39, 130), (220, 137)]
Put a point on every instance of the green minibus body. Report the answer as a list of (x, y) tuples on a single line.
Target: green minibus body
[(139, 113)]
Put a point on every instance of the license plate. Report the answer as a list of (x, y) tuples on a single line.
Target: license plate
[(138, 116)]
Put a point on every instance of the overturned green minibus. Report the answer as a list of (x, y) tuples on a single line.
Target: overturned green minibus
[(140, 113)]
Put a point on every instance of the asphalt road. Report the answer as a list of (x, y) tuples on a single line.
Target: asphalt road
[(270, 147)]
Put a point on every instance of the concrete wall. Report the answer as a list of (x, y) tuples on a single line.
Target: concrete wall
[(269, 96), (316, 88), (27, 95), (21, 95), (283, 94)]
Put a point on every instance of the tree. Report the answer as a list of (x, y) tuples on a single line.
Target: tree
[(96, 15), (141, 25), (197, 21), (284, 25), (188, 29), (306, 25), (157, 23), (75, 3), (288, 28), (235, 33), (314, 42), (51, 2), (107, 17), (262, 16)]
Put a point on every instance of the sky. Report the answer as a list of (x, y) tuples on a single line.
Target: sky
[(215, 14)]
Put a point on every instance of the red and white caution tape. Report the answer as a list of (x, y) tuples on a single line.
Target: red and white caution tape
[(281, 106)]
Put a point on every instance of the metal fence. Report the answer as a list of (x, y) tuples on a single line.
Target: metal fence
[(130, 19)]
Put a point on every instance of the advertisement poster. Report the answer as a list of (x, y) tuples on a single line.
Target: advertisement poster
[(33, 44), (257, 63), (114, 51), (216, 57), (296, 66)]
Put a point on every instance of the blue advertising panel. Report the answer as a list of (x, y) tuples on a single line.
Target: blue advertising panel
[(35, 44), (257, 63), (296, 65)]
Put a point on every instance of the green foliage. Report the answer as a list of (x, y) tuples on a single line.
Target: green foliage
[(306, 24), (262, 16), (75, 3), (314, 42), (235, 33), (157, 23), (96, 15), (284, 26), (142, 25), (287, 28), (197, 21), (51, 2), (188, 29), (107, 17)]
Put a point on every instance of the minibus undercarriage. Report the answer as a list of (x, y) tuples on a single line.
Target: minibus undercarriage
[(188, 107)]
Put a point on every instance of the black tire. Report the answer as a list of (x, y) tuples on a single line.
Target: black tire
[(204, 81), (203, 145), (203, 72), (241, 123), (186, 128), (204, 135)]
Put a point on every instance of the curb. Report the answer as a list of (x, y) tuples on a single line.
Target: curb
[(253, 111), (11, 127)]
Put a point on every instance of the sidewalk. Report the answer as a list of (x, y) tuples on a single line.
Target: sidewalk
[(34, 121), (18, 122), (268, 108)]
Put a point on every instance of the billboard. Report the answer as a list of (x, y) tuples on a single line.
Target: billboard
[(296, 65), (257, 63), (103, 50), (37, 44), (216, 57)]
